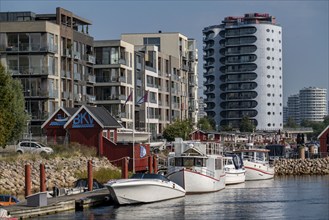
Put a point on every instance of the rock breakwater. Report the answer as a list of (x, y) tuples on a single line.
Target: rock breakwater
[(60, 172), (319, 166)]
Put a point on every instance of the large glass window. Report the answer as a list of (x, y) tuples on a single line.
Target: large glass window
[(35, 41), (152, 41)]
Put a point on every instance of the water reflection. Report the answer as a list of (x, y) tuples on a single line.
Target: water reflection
[(300, 197)]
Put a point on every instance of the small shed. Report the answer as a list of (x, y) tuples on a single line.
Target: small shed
[(95, 127), (205, 135), (324, 142)]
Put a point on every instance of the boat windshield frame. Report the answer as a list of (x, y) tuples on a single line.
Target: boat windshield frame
[(149, 176)]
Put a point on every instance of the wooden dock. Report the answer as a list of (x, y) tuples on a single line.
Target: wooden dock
[(61, 204)]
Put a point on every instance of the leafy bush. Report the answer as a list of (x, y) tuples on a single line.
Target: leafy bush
[(102, 175)]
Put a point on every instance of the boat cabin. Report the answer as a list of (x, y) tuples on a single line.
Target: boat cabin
[(255, 155)]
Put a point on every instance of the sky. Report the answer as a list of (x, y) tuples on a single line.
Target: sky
[(304, 27)]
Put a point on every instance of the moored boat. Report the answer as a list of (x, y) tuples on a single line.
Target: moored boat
[(256, 163), (234, 169), (197, 166), (143, 188)]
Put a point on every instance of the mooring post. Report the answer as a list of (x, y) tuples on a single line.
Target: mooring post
[(42, 178), (155, 164), (28, 182), (90, 175), (124, 168), (150, 160)]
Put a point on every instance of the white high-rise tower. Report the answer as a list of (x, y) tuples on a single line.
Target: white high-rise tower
[(243, 71)]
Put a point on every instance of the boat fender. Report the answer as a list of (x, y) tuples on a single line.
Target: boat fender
[(173, 186)]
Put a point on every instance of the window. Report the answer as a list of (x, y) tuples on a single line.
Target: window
[(268, 67), (268, 30), (268, 58), (268, 39), (269, 113), (269, 125), (268, 76), (269, 94), (218, 164), (268, 85), (152, 41), (268, 48), (269, 104)]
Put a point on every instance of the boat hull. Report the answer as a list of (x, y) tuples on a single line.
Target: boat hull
[(235, 177), (196, 182), (258, 171), (130, 191)]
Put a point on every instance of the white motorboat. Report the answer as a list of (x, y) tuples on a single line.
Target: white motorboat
[(234, 169), (256, 163), (143, 188), (197, 166)]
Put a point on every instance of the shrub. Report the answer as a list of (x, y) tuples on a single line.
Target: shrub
[(102, 175)]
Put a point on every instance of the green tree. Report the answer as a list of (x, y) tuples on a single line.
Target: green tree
[(179, 128), (291, 123), (205, 124), (246, 125), (12, 108)]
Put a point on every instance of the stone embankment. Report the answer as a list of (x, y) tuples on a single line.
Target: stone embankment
[(60, 172), (319, 166)]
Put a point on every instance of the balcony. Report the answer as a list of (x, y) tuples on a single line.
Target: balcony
[(78, 97), (90, 98), (65, 95), (53, 94), (76, 55), (91, 59), (91, 78), (77, 76), (26, 47)]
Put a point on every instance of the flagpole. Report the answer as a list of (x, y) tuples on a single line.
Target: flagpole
[(148, 116), (133, 117)]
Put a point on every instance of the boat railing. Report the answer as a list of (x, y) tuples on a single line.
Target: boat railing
[(257, 160), (201, 170), (204, 170)]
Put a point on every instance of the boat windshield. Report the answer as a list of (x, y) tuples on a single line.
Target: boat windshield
[(188, 161), (148, 176)]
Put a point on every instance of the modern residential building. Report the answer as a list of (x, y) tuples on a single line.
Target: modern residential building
[(115, 81), (285, 114), (313, 104), (293, 105), (169, 77), (52, 56), (202, 105), (243, 71)]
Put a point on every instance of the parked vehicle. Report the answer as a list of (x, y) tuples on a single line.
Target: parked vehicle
[(33, 147), (6, 200)]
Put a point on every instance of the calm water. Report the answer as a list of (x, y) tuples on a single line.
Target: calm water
[(305, 197)]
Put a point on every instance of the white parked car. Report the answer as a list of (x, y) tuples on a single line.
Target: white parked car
[(33, 147)]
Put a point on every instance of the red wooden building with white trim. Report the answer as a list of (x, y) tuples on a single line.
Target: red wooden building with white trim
[(94, 127)]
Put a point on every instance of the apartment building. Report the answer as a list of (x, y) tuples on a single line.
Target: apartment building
[(115, 78), (169, 76), (313, 104), (243, 71), (52, 56), (293, 105)]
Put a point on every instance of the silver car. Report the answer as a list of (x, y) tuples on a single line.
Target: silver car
[(33, 147)]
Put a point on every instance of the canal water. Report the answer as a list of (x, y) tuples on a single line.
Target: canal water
[(292, 197)]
